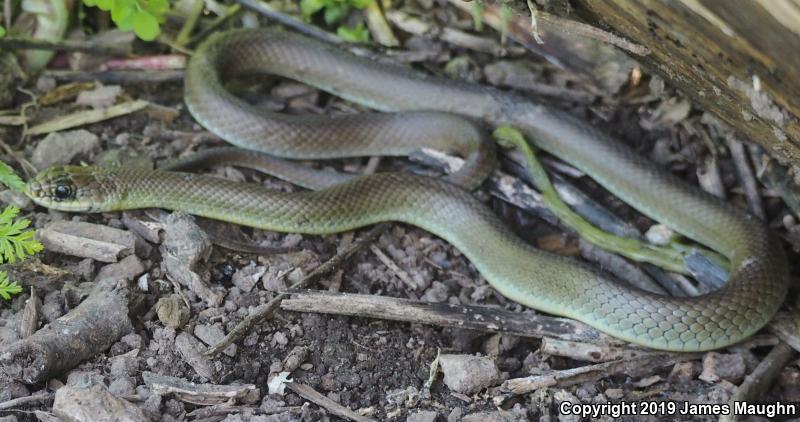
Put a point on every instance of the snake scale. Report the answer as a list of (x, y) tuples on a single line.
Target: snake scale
[(553, 284)]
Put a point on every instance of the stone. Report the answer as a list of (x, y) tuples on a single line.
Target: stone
[(469, 374), (62, 147)]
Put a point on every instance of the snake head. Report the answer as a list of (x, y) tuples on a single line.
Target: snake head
[(70, 188)]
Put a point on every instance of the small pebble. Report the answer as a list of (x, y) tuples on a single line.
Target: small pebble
[(172, 311), (213, 334), (122, 387), (489, 417), (422, 416), (723, 366), (124, 366), (246, 278), (134, 341), (684, 371), (93, 403), (468, 374), (62, 147)]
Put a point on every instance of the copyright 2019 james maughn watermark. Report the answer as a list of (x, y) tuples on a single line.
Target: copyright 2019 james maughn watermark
[(670, 408)]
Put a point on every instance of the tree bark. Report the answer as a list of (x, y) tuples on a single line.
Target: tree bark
[(739, 60)]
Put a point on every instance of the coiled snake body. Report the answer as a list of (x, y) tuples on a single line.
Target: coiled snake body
[(754, 292)]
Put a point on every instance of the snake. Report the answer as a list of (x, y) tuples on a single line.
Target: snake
[(409, 103)]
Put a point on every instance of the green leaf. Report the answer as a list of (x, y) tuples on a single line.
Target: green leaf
[(126, 23), (105, 4), (90, 2), (157, 8), (357, 33), (16, 243), (8, 289), (309, 7), (10, 179), (2, 31), (145, 26), (123, 14), (360, 4), (335, 13)]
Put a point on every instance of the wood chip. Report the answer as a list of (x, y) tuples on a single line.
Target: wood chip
[(87, 240), (30, 315), (202, 394), (191, 349), (589, 352), (86, 117)]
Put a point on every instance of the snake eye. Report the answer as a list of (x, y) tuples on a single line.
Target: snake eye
[(62, 192)]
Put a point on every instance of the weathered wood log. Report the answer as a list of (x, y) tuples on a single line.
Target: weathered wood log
[(738, 60)]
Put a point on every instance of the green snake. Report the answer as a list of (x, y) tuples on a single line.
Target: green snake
[(540, 280)]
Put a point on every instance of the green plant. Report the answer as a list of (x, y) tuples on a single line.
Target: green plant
[(2, 31), (333, 11), (17, 242), (8, 288), (10, 179), (141, 16), (358, 33)]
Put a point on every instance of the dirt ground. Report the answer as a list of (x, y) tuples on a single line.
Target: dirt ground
[(373, 367)]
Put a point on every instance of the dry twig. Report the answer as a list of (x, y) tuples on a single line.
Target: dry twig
[(121, 77), (559, 379), (27, 400), (86, 117), (337, 409), (746, 178), (590, 352), (15, 43), (283, 19), (481, 318)]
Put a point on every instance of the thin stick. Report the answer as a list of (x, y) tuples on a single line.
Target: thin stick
[(23, 401), (482, 318), (7, 13), (16, 43), (337, 409), (232, 12), (393, 267), (746, 178), (589, 352), (86, 117), (190, 23), (122, 77), (266, 310), (560, 379), (268, 11)]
